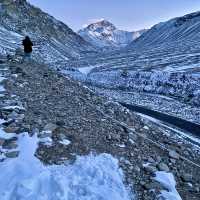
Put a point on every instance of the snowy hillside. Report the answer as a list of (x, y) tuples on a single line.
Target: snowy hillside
[(104, 34), (181, 29)]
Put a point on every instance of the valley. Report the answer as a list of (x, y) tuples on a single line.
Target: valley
[(81, 117)]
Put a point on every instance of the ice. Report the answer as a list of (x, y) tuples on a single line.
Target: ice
[(168, 181), (88, 178)]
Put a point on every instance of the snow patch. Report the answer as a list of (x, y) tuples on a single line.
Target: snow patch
[(2, 121), (13, 107), (168, 181), (85, 70), (121, 145), (46, 141), (90, 177), (65, 142), (2, 89)]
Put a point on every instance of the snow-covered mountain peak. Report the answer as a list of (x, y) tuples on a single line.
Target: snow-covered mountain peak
[(103, 33), (101, 26)]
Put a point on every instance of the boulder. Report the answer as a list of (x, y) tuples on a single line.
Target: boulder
[(173, 154), (50, 127), (12, 154), (163, 167)]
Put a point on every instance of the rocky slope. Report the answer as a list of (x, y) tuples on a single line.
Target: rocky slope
[(54, 41), (104, 34), (41, 101)]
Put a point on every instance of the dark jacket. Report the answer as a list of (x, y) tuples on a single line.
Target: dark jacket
[(27, 45)]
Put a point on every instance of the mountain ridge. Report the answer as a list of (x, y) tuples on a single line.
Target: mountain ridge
[(185, 27)]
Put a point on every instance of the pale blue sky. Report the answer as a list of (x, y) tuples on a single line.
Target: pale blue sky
[(125, 14)]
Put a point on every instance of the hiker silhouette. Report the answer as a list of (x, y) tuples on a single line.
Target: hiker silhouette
[(27, 43)]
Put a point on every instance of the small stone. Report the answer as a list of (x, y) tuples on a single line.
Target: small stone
[(20, 116), (153, 185), (186, 177), (13, 115), (12, 154), (133, 136), (151, 160), (150, 169), (116, 137), (26, 128), (163, 167), (132, 154), (130, 168), (60, 123), (11, 129), (172, 160), (158, 159), (197, 189), (50, 127), (62, 136), (109, 137), (131, 141), (45, 134), (127, 162), (142, 183), (186, 153), (137, 169), (174, 154), (1, 142), (39, 121), (9, 144)]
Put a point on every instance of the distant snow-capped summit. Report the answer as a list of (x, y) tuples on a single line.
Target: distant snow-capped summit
[(104, 34)]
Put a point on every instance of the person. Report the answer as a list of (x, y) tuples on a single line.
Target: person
[(27, 48)]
